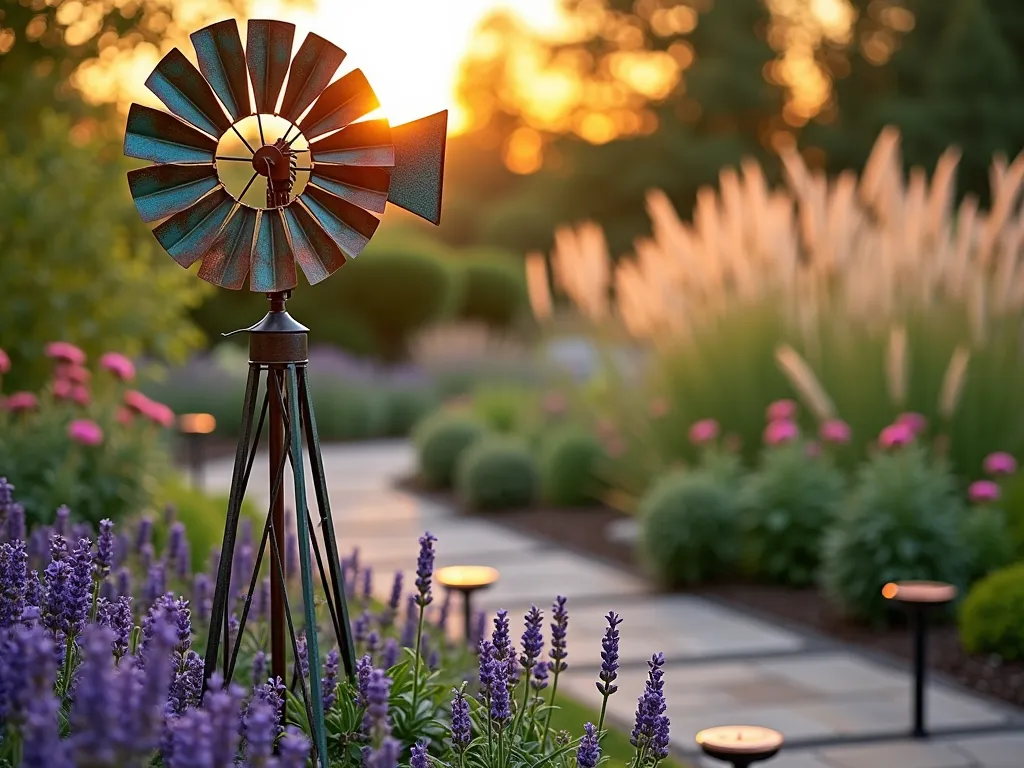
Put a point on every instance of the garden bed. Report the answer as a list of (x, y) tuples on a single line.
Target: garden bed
[(584, 530)]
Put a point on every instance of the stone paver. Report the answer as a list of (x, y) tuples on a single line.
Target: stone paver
[(723, 666)]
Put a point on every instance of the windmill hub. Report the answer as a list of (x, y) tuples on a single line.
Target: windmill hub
[(272, 161)]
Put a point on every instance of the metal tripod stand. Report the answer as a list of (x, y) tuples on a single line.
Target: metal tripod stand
[(278, 347)]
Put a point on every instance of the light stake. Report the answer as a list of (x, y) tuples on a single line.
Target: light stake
[(740, 745), (918, 597), (195, 427), (467, 579)]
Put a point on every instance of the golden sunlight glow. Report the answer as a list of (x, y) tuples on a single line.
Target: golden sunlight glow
[(466, 577)]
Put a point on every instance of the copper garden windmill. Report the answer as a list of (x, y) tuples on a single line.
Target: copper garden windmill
[(354, 168)]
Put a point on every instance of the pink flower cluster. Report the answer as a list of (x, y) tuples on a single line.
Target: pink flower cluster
[(85, 432), (782, 427), (998, 464), (137, 403), (903, 431), (703, 432)]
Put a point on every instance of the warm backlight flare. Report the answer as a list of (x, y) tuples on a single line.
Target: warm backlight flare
[(466, 577), (197, 423)]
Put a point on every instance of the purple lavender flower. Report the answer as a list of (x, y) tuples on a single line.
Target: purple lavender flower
[(122, 547), (6, 496), (28, 667), (589, 751), (501, 702), (242, 567), (146, 556), (201, 595), (62, 522), (418, 755), (13, 582), (539, 681), (486, 667), (479, 629), (650, 733), (293, 749), (329, 682), (262, 600), (609, 656), (360, 627), (394, 602), (442, 615), (58, 548), (117, 616), (408, 638), (183, 562), (372, 643), (384, 756), (81, 583), (260, 725), (94, 722), (425, 569), (104, 550), (376, 722), (245, 537), (187, 685), (39, 547), (259, 668), (143, 533), (364, 668), (124, 581), (59, 606), (302, 655), (15, 523), (559, 630), (223, 705), (533, 639), (368, 583), (156, 583), (42, 746), (500, 636), (273, 692), (389, 655), (174, 541), (33, 590), (460, 728)]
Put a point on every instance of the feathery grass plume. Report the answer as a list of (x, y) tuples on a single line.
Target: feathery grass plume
[(897, 366), (537, 286), (953, 382), (803, 380)]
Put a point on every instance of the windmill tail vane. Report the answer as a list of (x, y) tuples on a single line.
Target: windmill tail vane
[(355, 165), (328, 174)]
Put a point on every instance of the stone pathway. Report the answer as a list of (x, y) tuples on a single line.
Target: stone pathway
[(722, 666)]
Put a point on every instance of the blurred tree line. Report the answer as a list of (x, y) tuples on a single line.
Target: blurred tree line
[(944, 72)]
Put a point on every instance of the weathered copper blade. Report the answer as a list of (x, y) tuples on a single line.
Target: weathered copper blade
[(222, 62), (419, 165), (273, 265), (227, 262), (348, 225), (312, 69), (188, 235), (366, 187), (343, 102), (315, 250), (183, 90), (367, 143), (155, 135), (162, 190), (268, 50)]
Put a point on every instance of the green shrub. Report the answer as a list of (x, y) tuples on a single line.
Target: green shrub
[(984, 533), (900, 522), (392, 293), (440, 439), (568, 459), (505, 409), (788, 504), (405, 407), (347, 413), (497, 473), (493, 289), (689, 528), (992, 614)]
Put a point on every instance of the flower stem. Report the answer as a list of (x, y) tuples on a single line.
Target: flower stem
[(600, 722), (95, 600), (547, 724), (416, 670)]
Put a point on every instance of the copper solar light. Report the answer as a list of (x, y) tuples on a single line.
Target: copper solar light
[(326, 174)]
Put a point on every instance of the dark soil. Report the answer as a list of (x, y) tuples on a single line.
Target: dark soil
[(584, 530)]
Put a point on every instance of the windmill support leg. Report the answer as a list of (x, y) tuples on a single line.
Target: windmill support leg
[(278, 346)]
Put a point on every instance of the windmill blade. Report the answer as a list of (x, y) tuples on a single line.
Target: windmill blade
[(315, 250), (222, 62), (367, 144), (273, 265), (419, 166), (183, 90), (268, 51), (348, 225), (154, 135), (162, 190), (366, 187), (312, 69), (189, 234), (227, 262), (344, 101)]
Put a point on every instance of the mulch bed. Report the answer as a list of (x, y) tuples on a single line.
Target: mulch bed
[(584, 530)]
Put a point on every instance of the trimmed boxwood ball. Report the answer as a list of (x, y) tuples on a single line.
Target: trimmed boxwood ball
[(568, 460), (788, 504), (440, 440), (901, 522), (689, 528), (497, 473), (986, 536), (992, 614)]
